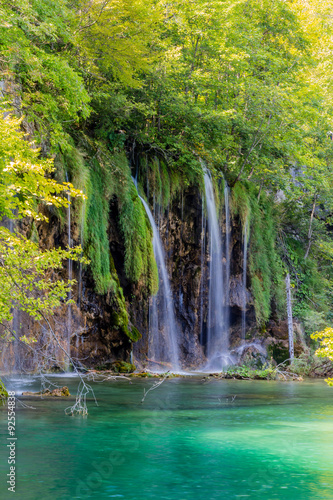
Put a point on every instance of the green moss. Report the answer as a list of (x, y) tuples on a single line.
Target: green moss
[(96, 239), (140, 263), (3, 391), (155, 181), (241, 203), (165, 184), (134, 334), (119, 317), (123, 367), (109, 175), (265, 265), (71, 167)]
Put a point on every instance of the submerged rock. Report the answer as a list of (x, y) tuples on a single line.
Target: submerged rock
[(58, 392)]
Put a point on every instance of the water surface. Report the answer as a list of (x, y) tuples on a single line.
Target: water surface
[(190, 439)]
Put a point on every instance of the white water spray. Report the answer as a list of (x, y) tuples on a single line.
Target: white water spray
[(227, 255), (245, 249), (217, 350), (163, 331)]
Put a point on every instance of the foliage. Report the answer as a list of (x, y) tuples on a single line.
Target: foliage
[(34, 40), (266, 269), (25, 177), (312, 277), (3, 391), (246, 372), (326, 346), (245, 85), (241, 203), (109, 177), (119, 35), (26, 272), (139, 257), (310, 365), (96, 239)]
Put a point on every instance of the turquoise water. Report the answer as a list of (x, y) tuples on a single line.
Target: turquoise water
[(190, 439)]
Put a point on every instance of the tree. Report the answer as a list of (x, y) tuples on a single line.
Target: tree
[(116, 38), (40, 77)]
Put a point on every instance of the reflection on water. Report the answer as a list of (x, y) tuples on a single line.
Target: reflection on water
[(191, 439)]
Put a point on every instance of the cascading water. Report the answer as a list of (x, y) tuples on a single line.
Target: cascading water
[(202, 260), (17, 329), (16, 321), (217, 347), (163, 332), (227, 255), (245, 248)]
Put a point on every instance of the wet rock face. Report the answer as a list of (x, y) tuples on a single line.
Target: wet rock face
[(185, 237), (181, 232), (277, 340), (252, 354), (96, 339), (237, 293)]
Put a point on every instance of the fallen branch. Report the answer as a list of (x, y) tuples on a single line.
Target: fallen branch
[(155, 386)]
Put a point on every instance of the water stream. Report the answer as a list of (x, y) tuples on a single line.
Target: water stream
[(217, 347), (164, 335), (227, 256), (244, 298), (18, 352), (202, 262)]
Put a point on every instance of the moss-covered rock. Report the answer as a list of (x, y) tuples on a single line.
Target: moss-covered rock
[(123, 367), (134, 334)]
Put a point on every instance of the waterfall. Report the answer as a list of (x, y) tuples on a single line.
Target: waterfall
[(202, 261), (70, 274), (227, 254), (290, 318), (163, 331), (217, 350), (245, 248), (16, 326), (16, 321)]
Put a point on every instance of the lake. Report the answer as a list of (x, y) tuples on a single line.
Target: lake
[(191, 438)]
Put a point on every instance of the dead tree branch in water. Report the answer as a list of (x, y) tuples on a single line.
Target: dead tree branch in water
[(154, 386)]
